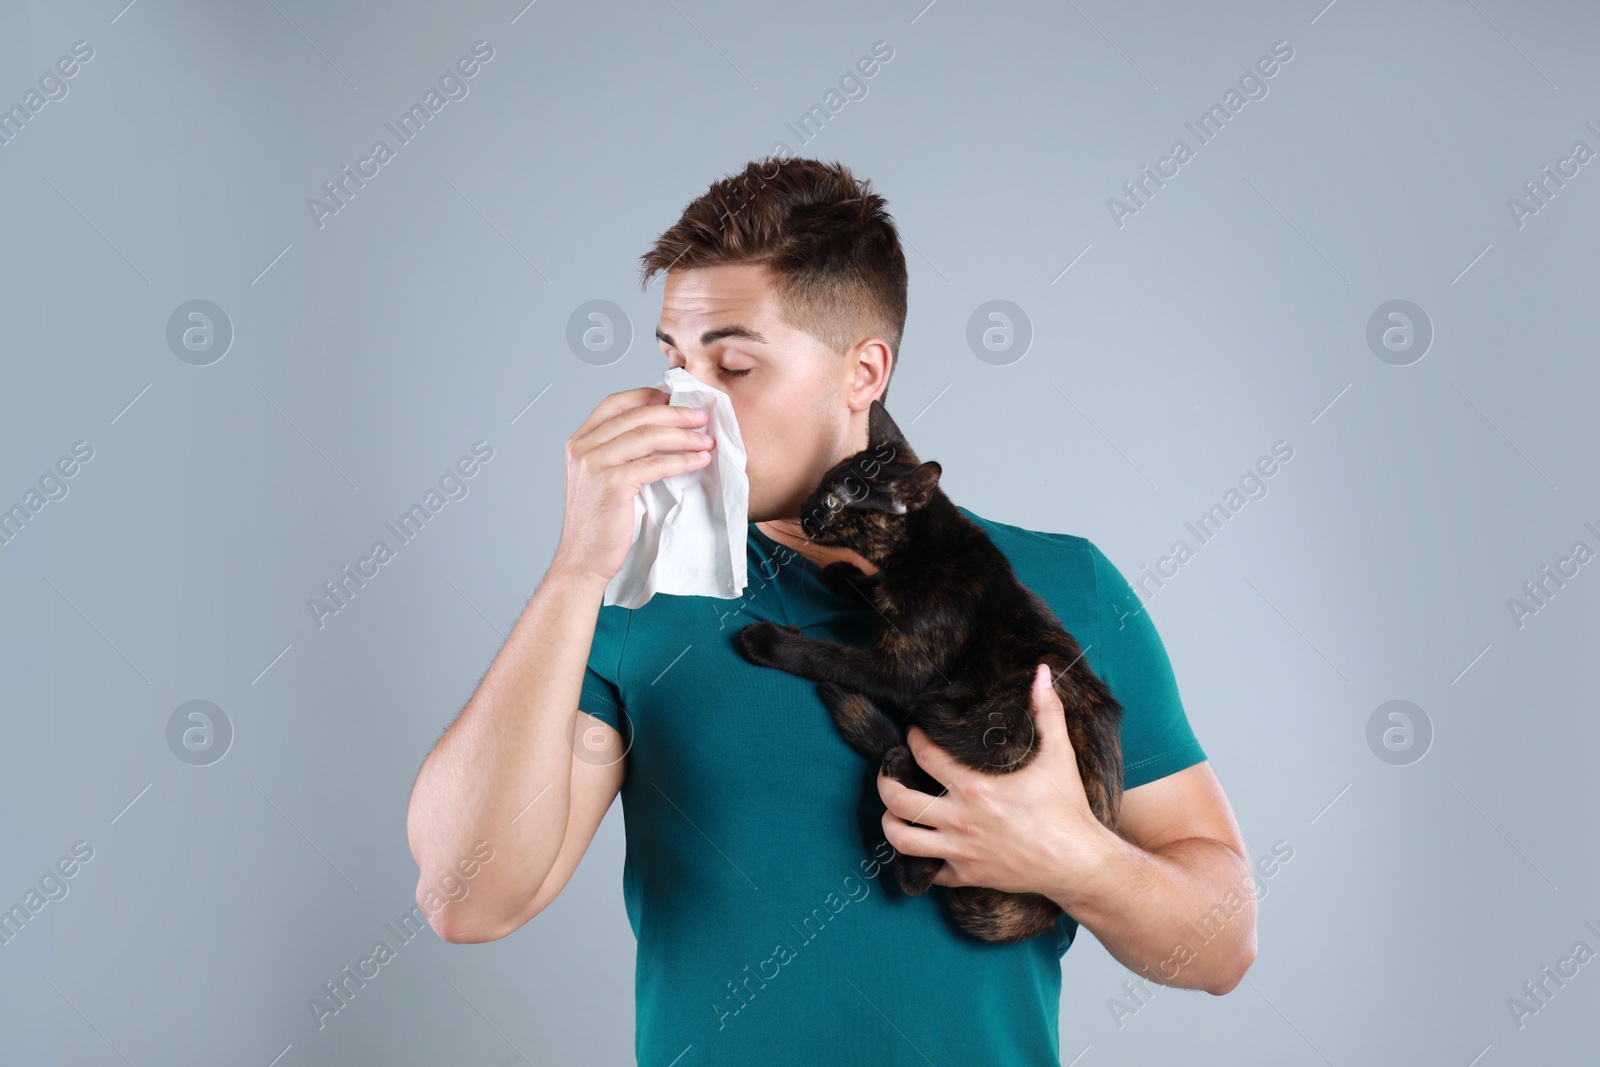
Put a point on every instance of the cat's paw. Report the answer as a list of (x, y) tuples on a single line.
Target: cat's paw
[(898, 763), (761, 642), (915, 874)]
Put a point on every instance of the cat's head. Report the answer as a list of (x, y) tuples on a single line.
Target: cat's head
[(863, 501)]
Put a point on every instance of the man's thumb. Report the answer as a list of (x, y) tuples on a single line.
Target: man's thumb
[(1044, 690)]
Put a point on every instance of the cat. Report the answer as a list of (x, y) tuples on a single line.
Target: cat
[(955, 653)]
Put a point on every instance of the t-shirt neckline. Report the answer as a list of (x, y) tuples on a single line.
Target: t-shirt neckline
[(771, 543)]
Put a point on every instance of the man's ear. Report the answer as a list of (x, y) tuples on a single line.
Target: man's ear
[(914, 489)]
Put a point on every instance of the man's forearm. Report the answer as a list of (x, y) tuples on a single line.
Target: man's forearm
[(1183, 915), (507, 749)]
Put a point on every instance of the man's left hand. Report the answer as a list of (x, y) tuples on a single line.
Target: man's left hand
[(1027, 831)]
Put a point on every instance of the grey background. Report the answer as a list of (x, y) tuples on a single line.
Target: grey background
[(1228, 314)]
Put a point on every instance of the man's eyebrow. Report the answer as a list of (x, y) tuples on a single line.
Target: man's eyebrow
[(712, 336)]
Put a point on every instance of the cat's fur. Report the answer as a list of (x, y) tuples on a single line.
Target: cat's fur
[(956, 650)]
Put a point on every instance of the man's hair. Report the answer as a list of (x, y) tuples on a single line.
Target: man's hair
[(830, 243)]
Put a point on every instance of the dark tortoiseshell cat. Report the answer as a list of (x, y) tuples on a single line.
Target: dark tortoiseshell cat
[(955, 654)]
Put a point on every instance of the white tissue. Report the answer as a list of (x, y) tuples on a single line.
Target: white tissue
[(690, 529)]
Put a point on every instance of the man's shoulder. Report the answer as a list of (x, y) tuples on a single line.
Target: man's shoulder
[(1068, 555)]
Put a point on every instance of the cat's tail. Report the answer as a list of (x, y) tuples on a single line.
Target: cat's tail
[(867, 727), (992, 915)]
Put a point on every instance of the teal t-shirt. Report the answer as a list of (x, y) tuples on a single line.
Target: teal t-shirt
[(770, 929)]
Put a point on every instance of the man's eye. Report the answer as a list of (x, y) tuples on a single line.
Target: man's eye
[(737, 373)]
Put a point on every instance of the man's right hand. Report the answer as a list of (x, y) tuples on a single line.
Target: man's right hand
[(515, 740), (631, 439)]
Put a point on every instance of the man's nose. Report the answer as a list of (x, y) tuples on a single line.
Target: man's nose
[(704, 373)]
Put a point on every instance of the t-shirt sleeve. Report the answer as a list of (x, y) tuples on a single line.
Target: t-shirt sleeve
[(1157, 739), (601, 693)]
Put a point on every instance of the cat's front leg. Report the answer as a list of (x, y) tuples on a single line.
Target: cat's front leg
[(766, 644), (915, 874)]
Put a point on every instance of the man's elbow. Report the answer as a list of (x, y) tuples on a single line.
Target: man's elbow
[(461, 934), (1232, 980), (460, 927), (463, 931)]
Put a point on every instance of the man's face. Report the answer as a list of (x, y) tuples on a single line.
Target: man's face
[(801, 406)]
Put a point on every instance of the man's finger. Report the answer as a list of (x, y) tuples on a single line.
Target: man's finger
[(1049, 715), (911, 840), (933, 759), (906, 803), (618, 402)]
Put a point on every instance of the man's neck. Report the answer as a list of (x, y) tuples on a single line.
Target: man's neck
[(790, 533)]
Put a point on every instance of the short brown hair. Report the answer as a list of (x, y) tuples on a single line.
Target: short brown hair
[(828, 239)]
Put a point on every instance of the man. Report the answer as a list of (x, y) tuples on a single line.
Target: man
[(769, 926)]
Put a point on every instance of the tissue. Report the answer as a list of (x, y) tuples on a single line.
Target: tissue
[(690, 529)]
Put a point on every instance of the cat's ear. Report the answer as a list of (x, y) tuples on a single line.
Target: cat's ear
[(881, 430), (914, 489)]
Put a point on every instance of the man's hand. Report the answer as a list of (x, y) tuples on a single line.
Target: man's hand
[(631, 439), (1031, 831), (1028, 831)]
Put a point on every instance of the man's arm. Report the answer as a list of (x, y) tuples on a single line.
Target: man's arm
[(502, 809), (505, 775), (1174, 899)]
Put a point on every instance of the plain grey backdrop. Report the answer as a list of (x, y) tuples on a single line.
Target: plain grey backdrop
[(234, 455)]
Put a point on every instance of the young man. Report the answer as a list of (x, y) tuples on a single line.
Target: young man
[(769, 926)]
